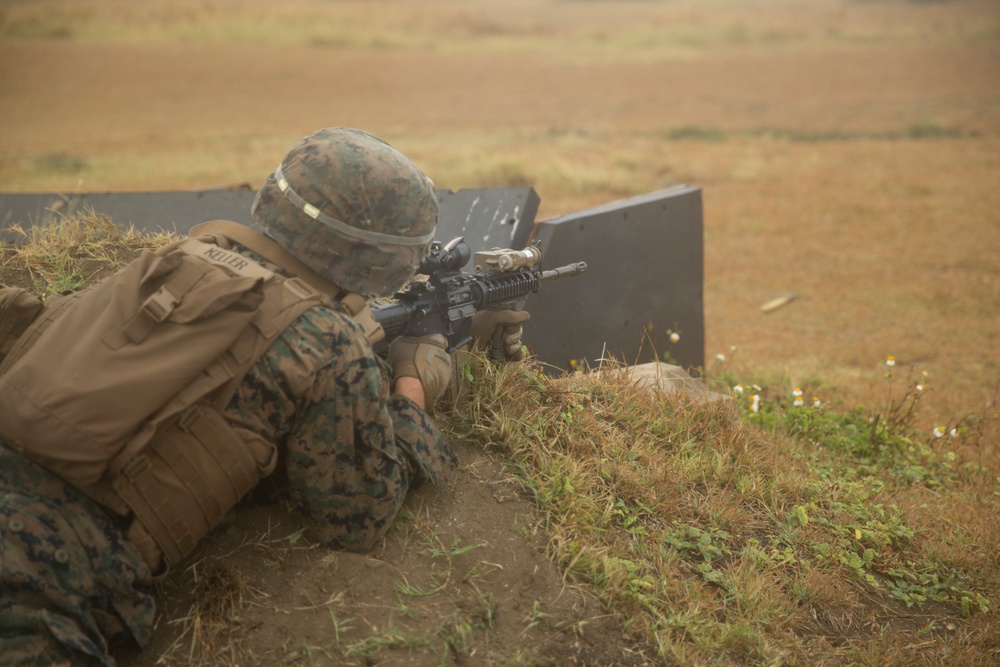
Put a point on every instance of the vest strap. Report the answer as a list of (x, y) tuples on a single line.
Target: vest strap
[(268, 248), (355, 304)]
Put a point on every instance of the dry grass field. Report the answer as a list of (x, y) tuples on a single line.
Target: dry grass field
[(849, 150)]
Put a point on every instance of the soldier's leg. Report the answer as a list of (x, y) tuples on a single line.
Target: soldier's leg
[(69, 582), (47, 614)]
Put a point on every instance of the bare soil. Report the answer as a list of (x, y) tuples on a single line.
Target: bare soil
[(461, 579)]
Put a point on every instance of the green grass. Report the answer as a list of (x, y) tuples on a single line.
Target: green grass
[(722, 535)]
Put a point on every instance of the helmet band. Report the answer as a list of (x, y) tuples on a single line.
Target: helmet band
[(343, 228)]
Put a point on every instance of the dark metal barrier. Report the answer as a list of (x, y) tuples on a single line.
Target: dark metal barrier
[(644, 278)]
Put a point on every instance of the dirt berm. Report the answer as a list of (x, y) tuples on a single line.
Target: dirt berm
[(462, 578)]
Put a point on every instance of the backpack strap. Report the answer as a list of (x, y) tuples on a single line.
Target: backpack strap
[(355, 304)]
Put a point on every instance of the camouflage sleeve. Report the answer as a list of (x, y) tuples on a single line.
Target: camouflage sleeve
[(351, 451), (412, 426)]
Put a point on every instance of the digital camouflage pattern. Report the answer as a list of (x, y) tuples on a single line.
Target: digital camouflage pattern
[(360, 180), (350, 450), (71, 586)]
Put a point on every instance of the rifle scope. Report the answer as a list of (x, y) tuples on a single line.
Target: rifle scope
[(451, 257)]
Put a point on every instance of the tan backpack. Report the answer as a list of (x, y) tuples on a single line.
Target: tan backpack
[(119, 388)]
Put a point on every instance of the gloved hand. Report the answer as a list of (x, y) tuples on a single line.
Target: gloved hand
[(485, 324), (425, 358)]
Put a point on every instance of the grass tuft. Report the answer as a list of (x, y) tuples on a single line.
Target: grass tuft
[(70, 252), (712, 531)]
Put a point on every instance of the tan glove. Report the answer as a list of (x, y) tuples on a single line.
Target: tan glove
[(425, 358), (485, 324)]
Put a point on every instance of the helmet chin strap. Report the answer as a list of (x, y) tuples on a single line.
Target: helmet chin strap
[(343, 228)]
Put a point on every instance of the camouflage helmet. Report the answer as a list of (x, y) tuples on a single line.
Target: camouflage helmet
[(352, 208)]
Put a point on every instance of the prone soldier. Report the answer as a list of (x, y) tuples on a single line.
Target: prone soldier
[(90, 510)]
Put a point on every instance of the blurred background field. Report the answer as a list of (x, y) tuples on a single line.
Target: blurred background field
[(849, 150)]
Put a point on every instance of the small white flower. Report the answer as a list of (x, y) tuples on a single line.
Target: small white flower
[(756, 387), (938, 431), (755, 406), (798, 402), (797, 392), (953, 432), (816, 402), (674, 337), (891, 361), (925, 374), (738, 389), (920, 387), (732, 348), (720, 357)]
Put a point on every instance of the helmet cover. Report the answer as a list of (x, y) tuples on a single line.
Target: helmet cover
[(352, 208)]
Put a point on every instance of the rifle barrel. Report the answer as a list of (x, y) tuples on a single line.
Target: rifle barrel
[(574, 269)]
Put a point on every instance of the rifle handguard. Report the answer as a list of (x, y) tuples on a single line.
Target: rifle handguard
[(449, 299)]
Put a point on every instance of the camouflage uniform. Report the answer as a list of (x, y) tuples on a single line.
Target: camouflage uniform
[(350, 449), (71, 582)]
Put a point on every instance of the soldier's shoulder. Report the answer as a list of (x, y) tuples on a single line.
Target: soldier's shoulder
[(331, 317), (330, 332)]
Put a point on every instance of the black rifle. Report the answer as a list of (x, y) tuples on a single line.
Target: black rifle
[(447, 300)]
